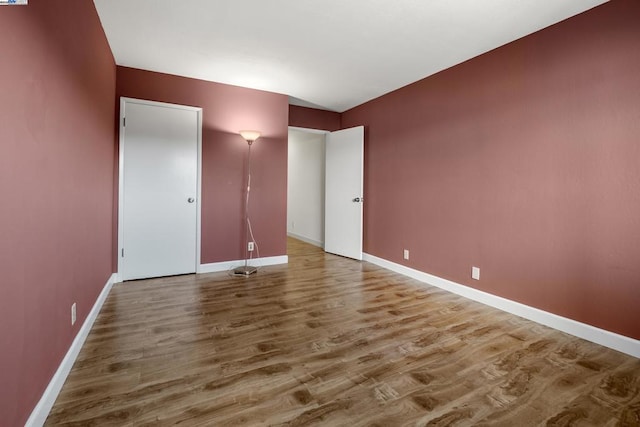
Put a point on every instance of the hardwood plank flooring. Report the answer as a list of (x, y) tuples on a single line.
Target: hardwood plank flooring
[(331, 341)]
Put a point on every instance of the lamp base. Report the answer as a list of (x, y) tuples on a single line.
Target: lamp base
[(245, 270)]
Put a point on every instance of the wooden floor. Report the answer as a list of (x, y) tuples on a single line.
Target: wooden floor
[(330, 341)]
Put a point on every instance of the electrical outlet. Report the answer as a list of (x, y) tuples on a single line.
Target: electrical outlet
[(250, 246), (475, 273), (73, 314), (406, 254)]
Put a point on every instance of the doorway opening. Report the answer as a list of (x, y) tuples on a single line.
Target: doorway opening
[(306, 185)]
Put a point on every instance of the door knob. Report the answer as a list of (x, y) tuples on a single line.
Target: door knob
[(356, 200), (191, 200)]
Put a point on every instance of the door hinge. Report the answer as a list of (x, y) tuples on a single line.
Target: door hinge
[(124, 122), (122, 252)]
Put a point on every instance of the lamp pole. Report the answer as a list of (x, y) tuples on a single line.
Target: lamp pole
[(247, 270)]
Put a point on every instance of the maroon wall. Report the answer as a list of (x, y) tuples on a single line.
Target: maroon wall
[(524, 162), (312, 118), (227, 110), (56, 183)]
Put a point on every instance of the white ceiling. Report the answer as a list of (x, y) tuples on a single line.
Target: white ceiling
[(331, 54)]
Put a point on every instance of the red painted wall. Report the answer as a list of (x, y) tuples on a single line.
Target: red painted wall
[(227, 110), (312, 118), (524, 162), (56, 184)]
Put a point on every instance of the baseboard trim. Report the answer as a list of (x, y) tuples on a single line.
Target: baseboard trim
[(612, 340), (228, 265), (306, 239), (41, 411)]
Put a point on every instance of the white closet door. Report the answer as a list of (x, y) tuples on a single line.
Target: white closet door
[(159, 173)]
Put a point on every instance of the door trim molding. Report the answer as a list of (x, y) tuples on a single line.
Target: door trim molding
[(198, 110), (310, 130)]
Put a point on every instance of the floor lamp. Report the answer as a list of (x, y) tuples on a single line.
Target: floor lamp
[(246, 270)]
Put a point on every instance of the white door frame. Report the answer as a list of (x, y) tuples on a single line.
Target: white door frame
[(326, 133), (309, 130), (198, 110)]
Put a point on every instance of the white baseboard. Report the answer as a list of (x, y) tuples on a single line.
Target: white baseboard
[(228, 265), (313, 242), (42, 409), (612, 340)]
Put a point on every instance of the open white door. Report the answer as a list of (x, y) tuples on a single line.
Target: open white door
[(343, 192), (159, 173)]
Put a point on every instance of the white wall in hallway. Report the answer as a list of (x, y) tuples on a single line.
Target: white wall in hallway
[(305, 192)]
